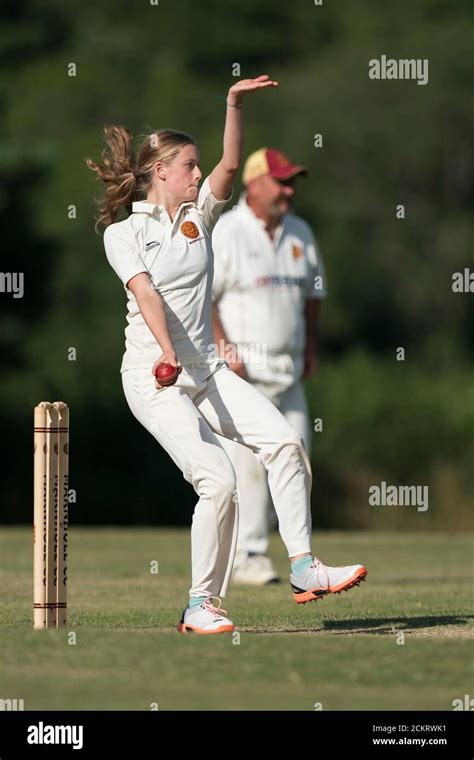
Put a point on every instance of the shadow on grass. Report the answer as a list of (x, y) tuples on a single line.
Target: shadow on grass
[(378, 626), (424, 579), (396, 624)]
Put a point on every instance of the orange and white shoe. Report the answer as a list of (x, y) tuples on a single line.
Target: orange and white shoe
[(319, 580), (205, 618)]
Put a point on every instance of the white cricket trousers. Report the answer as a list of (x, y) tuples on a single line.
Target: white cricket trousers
[(184, 419), (255, 505)]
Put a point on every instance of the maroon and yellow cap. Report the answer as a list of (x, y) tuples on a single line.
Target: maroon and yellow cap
[(270, 161)]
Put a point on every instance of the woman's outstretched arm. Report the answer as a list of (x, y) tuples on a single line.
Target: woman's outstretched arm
[(222, 176)]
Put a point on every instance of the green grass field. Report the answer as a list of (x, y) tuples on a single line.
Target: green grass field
[(344, 651)]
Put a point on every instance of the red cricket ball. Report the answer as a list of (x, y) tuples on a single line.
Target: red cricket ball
[(166, 374)]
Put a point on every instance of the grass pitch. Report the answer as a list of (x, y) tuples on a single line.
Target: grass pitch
[(402, 640)]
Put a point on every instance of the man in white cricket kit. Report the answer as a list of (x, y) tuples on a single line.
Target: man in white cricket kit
[(268, 284), (163, 256)]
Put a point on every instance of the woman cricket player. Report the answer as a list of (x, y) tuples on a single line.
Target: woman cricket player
[(162, 253)]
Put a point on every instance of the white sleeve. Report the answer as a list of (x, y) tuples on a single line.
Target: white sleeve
[(317, 274), (122, 252), (209, 206), (221, 281)]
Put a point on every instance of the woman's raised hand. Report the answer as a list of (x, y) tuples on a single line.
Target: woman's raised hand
[(244, 86)]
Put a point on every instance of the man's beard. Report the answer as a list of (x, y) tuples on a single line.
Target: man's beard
[(275, 209)]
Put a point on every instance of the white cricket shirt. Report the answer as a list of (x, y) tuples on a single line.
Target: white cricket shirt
[(180, 267), (261, 287)]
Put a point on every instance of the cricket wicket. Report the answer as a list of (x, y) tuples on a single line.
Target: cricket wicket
[(51, 464)]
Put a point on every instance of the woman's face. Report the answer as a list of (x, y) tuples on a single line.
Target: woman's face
[(183, 174)]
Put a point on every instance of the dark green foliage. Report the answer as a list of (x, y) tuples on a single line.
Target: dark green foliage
[(385, 143)]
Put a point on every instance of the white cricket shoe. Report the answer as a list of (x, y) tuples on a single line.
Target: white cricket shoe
[(319, 580), (254, 570), (205, 618)]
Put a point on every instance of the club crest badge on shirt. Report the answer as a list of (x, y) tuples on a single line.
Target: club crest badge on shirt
[(297, 252), (190, 230)]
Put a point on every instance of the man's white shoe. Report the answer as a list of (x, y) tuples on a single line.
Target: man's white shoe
[(205, 618), (254, 570), (319, 580)]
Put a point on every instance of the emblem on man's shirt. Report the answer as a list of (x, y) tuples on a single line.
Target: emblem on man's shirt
[(190, 230), (151, 244), (297, 252)]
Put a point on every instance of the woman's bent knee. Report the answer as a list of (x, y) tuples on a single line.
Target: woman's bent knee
[(219, 484)]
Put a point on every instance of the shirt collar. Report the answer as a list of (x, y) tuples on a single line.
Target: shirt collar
[(154, 208), (145, 207)]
